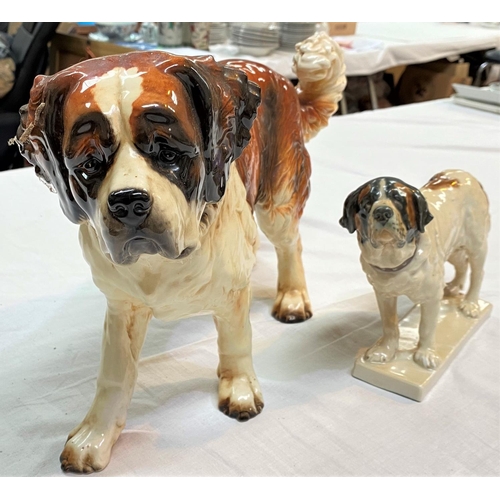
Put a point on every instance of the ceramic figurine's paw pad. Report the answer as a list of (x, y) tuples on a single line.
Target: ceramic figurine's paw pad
[(87, 450), (240, 397), (470, 309), (292, 306), (379, 354), (426, 358)]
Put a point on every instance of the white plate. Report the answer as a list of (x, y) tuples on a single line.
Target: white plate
[(481, 94), (493, 108), (256, 51)]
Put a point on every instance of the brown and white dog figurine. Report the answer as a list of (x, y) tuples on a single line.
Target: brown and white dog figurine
[(406, 235), (162, 160)]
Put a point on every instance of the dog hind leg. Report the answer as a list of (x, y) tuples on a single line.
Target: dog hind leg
[(470, 306), (239, 391), (459, 261), (281, 226), (88, 448)]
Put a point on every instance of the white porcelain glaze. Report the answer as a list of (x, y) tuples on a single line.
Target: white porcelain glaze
[(162, 160), (402, 375), (406, 236), (320, 68), (213, 280)]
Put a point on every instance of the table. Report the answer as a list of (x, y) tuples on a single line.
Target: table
[(318, 419), (380, 46), (375, 47)]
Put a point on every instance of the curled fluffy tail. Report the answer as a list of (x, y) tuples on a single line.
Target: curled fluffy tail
[(320, 69)]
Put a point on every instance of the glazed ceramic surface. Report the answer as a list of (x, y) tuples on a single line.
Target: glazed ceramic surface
[(406, 235), (163, 161), (405, 377)]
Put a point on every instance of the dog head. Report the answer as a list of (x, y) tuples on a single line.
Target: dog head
[(386, 211), (139, 145)]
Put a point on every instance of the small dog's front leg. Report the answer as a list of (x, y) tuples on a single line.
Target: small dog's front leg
[(239, 390), (425, 355), (386, 346), (88, 447)]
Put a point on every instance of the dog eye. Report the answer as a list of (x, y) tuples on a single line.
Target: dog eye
[(91, 166), (167, 156), (398, 201)]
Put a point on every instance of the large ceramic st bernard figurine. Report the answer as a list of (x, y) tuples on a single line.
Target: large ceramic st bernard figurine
[(162, 160), (406, 235)]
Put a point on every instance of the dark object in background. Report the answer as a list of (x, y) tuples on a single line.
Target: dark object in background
[(429, 81), (30, 53), (357, 92), (491, 58)]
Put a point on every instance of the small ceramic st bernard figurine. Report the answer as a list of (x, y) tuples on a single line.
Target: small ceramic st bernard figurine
[(162, 160), (406, 235)]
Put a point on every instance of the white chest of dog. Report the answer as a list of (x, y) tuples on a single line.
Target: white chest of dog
[(196, 284)]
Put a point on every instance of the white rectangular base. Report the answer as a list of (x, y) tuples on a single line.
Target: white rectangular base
[(402, 375)]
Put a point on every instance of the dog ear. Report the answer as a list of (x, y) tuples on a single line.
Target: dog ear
[(351, 208), (423, 214), (247, 95), (226, 105), (39, 138)]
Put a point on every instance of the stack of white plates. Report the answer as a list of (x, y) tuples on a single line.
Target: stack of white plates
[(218, 33), (292, 33), (485, 98), (258, 39)]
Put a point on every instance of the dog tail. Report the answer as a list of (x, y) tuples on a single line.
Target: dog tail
[(320, 69)]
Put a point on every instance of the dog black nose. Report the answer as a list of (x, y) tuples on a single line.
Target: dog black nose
[(383, 214), (130, 206)]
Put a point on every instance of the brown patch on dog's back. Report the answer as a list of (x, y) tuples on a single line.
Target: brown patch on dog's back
[(275, 168), (441, 181)]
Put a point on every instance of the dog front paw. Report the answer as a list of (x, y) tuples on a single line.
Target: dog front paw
[(240, 397), (469, 308), (380, 354), (87, 449), (292, 306), (426, 358)]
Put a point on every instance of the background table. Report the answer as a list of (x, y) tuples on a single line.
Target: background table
[(318, 419), (375, 47), (380, 46)]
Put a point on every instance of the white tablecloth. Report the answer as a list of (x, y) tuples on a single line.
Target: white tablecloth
[(318, 420), (379, 46)]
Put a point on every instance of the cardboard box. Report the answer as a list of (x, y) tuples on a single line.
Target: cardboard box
[(426, 82), (341, 29)]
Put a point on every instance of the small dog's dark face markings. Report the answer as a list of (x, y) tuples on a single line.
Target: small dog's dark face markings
[(385, 209)]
